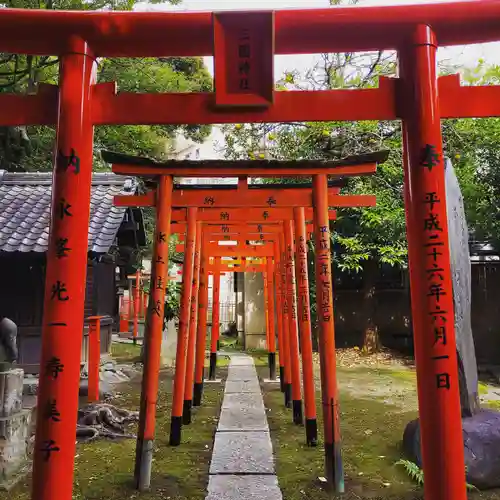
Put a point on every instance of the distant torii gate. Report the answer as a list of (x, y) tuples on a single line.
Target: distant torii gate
[(316, 196), (217, 197), (250, 40)]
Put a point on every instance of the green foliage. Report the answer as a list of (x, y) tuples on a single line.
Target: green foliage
[(30, 148), (172, 301), (413, 470), (379, 232), (417, 474)]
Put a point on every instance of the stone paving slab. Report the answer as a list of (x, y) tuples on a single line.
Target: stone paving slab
[(243, 488), (241, 360), (242, 453), (242, 373), (245, 400), (242, 419), (242, 386)]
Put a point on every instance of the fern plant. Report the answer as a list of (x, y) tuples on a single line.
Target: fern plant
[(417, 474)]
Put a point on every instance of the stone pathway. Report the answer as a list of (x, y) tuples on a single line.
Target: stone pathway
[(242, 466)]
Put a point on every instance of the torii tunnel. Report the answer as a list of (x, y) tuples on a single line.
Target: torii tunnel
[(250, 40)]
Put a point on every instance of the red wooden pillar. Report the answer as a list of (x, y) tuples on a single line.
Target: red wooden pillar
[(286, 325), (130, 300), (193, 321), (153, 335), (214, 340), (266, 307), (182, 337), (145, 296), (137, 305), (124, 324), (63, 315), (279, 308), (202, 327), (94, 361), (271, 318), (333, 456), (293, 330), (434, 333), (304, 313)]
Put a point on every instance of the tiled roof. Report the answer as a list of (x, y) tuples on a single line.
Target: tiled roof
[(25, 210)]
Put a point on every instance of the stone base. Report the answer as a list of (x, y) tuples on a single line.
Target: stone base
[(15, 478), (11, 391), (216, 381), (481, 444), (271, 381), (14, 443)]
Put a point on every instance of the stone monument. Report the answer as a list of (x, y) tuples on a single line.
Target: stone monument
[(481, 428), (14, 421)]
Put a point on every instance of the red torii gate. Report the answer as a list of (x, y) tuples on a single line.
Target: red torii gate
[(307, 194), (79, 104)]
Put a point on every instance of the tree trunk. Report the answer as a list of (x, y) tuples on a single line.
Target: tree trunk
[(371, 341)]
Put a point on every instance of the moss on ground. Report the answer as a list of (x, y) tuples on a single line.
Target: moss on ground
[(371, 431), (125, 352), (104, 469)]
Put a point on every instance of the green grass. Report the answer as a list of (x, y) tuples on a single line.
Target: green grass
[(125, 353), (104, 469), (222, 361), (371, 432), (371, 436)]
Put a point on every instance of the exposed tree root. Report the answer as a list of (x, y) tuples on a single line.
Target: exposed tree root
[(102, 420)]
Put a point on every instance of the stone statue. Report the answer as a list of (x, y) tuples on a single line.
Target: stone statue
[(481, 428), (8, 342)]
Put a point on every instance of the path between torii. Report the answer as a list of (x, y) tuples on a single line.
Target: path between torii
[(242, 466)]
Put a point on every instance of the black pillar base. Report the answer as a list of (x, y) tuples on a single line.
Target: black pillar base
[(175, 431), (288, 395), (311, 432), (272, 365), (297, 412), (282, 378), (213, 366), (334, 470), (197, 394), (186, 411)]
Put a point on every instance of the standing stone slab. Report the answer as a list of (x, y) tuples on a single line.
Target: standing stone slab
[(11, 391), (461, 276), (243, 419), (243, 488), (242, 386), (242, 453)]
